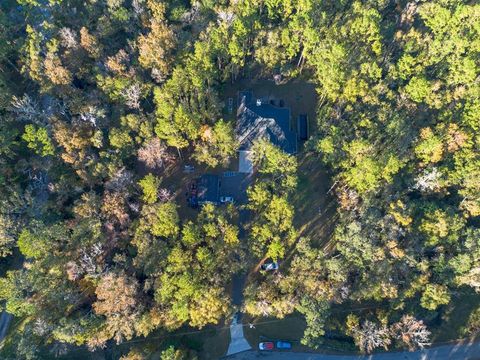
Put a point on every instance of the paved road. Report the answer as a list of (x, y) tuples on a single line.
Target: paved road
[(445, 352), (5, 319)]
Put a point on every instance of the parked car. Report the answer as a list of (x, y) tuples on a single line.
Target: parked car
[(283, 345), (226, 199), (188, 169), (266, 345), (270, 266)]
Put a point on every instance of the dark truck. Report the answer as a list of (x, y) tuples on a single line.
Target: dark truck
[(302, 127)]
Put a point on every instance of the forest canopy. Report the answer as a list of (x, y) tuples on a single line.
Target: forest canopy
[(102, 103)]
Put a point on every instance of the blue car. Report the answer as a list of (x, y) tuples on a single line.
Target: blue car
[(283, 345)]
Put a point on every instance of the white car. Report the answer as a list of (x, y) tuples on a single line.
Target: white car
[(271, 266), (267, 345), (226, 199)]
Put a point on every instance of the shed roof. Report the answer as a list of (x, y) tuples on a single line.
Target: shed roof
[(208, 188), (245, 165)]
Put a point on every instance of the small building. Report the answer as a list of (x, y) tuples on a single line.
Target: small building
[(302, 127), (258, 119), (208, 189)]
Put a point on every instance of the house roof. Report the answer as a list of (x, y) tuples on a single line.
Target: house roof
[(263, 121), (208, 188)]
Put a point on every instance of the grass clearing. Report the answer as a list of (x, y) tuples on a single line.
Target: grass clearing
[(315, 209), (209, 343), (290, 328), (456, 315), (212, 344)]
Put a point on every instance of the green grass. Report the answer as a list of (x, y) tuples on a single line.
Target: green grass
[(449, 328), (315, 210), (291, 328), (209, 343), (212, 344), (456, 316), (7, 348)]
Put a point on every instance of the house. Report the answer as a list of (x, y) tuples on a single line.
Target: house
[(208, 189), (258, 119)]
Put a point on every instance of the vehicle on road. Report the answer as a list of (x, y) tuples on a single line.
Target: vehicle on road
[(283, 345), (270, 266), (226, 199), (266, 345)]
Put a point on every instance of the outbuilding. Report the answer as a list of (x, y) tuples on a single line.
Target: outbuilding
[(208, 189), (302, 127)]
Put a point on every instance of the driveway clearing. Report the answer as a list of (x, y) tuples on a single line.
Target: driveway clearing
[(5, 320), (238, 343)]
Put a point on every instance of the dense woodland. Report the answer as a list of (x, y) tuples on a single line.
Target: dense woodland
[(99, 98)]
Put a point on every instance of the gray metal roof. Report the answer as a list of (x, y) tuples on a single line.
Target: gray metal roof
[(208, 188), (245, 165), (263, 121)]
